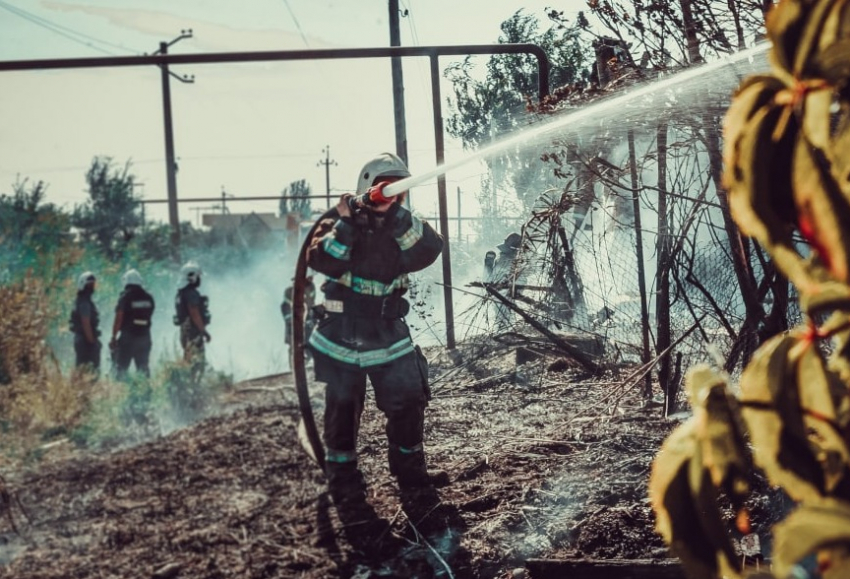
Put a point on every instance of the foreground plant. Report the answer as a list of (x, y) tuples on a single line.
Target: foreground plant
[(787, 163)]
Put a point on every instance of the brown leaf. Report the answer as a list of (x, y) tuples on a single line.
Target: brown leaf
[(771, 410), (815, 525)]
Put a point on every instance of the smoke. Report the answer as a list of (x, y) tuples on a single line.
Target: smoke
[(247, 326)]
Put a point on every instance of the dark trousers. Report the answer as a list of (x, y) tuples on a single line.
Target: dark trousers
[(86, 352), (193, 348), (399, 394), (133, 348)]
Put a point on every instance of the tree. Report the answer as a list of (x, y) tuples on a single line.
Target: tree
[(298, 188), (112, 214), (485, 110), (28, 226), (673, 34)]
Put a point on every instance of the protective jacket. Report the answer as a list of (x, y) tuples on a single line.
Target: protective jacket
[(84, 307), (185, 297), (366, 259), (138, 307)]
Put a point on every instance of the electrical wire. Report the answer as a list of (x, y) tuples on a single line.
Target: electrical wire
[(409, 15), (61, 30), (297, 25)]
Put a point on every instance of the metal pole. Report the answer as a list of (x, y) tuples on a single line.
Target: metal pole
[(644, 313), (459, 220), (398, 86), (443, 202), (328, 176), (170, 166)]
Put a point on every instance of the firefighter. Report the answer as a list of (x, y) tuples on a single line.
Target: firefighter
[(502, 271), (193, 317), (133, 321), (286, 311), (367, 250), (85, 324)]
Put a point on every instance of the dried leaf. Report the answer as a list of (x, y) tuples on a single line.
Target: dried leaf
[(678, 504), (814, 526), (832, 63), (720, 435), (824, 217), (830, 295), (819, 390), (760, 195), (814, 32), (784, 26), (771, 411)]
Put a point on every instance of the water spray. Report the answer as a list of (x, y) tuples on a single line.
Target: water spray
[(581, 116)]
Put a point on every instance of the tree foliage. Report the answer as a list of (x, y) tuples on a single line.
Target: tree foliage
[(674, 34), (30, 228), (787, 169), (489, 108), (112, 215), (298, 188)]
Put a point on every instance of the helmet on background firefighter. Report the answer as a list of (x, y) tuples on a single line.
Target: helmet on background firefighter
[(384, 165), (85, 279), (190, 274), (512, 243), (132, 277)]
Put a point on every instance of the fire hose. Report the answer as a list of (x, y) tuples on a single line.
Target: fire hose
[(308, 433)]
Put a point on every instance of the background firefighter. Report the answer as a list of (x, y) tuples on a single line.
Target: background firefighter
[(133, 320), (193, 316), (503, 271), (366, 250), (286, 311), (85, 324)]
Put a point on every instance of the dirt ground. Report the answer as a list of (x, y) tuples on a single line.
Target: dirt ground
[(544, 461)]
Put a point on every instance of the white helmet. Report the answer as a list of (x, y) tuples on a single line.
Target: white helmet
[(384, 165), (85, 278), (189, 274), (132, 277)]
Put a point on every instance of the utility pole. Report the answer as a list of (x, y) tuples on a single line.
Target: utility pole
[(398, 85), (170, 164), (224, 194), (327, 163)]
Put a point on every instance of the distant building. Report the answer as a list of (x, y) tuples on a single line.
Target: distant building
[(255, 229)]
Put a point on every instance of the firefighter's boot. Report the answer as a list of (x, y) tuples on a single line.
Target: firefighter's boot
[(345, 483), (408, 466)]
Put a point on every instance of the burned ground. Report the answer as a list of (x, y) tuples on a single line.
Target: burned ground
[(544, 460)]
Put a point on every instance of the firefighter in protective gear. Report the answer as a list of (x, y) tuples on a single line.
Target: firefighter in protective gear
[(286, 311), (85, 324), (504, 271), (367, 251), (192, 315), (133, 315)]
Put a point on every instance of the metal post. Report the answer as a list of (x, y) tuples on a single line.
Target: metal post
[(644, 312), (443, 202), (459, 220), (170, 166), (398, 86)]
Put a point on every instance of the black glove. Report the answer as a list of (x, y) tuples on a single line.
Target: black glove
[(207, 336)]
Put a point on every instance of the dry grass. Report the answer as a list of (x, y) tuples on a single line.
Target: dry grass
[(35, 397)]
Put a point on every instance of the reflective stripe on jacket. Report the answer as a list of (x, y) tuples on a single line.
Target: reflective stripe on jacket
[(369, 259)]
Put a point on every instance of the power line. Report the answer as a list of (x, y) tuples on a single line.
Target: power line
[(408, 13), (297, 25), (61, 30)]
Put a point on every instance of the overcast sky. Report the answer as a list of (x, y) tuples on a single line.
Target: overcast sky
[(248, 128)]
